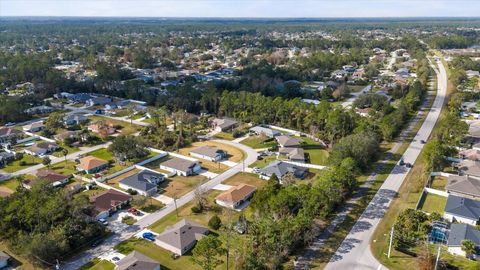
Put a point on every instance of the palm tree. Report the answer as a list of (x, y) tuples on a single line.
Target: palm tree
[(65, 153)]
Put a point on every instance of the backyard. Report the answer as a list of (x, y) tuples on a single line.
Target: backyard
[(125, 127), (245, 178), (432, 203), (23, 163), (258, 142)]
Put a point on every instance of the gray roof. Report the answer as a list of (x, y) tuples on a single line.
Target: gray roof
[(463, 184), (294, 153), (280, 168), (4, 255), (179, 164), (182, 234), (459, 232), (137, 261), (463, 207), (469, 167), (286, 141), (209, 151), (144, 180), (267, 131), (224, 122)]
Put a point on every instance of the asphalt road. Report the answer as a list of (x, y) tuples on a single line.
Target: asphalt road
[(110, 242), (354, 252)]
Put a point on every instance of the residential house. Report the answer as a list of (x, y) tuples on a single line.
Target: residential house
[(236, 197), (469, 167), (281, 168), (358, 74), (102, 127), (474, 129), (315, 102), (144, 182), (74, 119), (5, 158), (73, 134), (464, 186), (41, 149), (91, 165), (180, 166), (52, 177), (181, 237), (7, 134), (223, 124), (108, 202), (4, 259), (472, 73), (268, 132), (292, 153), (287, 141), (210, 153), (34, 127), (365, 112), (40, 110), (460, 232), (339, 74), (77, 98), (471, 154), (459, 209), (137, 261), (98, 101)]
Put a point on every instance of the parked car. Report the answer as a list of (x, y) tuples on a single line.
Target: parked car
[(256, 170), (408, 165), (259, 158), (402, 162), (149, 236), (103, 221), (9, 124), (115, 259), (422, 141), (133, 211)]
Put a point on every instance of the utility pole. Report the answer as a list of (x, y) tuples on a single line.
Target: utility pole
[(175, 202), (438, 257), (390, 245)]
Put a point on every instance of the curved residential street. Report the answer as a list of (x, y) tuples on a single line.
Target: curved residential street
[(354, 252), (110, 242)]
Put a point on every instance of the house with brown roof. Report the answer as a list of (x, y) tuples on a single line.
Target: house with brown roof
[(471, 154), (211, 153), (52, 177), (7, 134), (180, 166), (181, 237), (102, 127), (286, 141), (91, 165), (137, 261), (463, 186), (108, 202), (237, 197), (67, 134)]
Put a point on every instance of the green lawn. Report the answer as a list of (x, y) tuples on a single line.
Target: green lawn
[(257, 142), (224, 136), (63, 167), (262, 163), (125, 127), (433, 203), (97, 264), (70, 150), (102, 153), (439, 182), (15, 165), (10, 184)]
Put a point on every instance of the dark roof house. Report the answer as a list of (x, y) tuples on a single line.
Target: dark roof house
[(462, 210), (137, 261), (181, 237), (464, 186), (144, 182)]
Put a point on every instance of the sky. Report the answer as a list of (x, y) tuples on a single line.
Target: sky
[(242, 8)]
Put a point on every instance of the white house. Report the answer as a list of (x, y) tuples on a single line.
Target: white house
[(181, 166), (211, 153), (459, 209)]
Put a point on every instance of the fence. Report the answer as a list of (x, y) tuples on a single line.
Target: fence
[(441, 174), (306, 165)]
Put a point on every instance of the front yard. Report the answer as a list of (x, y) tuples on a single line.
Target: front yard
[(433, 203), (97, 264), (63, 167), (25, 162), (258, 142), (125, 128), (245, 178), (180, 185)]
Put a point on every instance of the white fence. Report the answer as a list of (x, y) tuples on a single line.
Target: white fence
[(306, 165), (441, 174), (38, 136), (297, 133), (436, 192), (161, 155)]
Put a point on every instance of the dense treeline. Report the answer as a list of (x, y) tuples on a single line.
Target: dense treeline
[(45, 224)]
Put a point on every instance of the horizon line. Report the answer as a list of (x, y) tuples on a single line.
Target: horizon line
[(217, 17)]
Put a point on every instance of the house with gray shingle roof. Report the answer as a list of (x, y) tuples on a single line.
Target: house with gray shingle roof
[(459, 209), (181, 237), (463, 186), (180, 166), (211, 153), (137, 261), (4, 259), (286, 141), (296, 154), (280, 169), (460, 232), (259, 130), (223, 124), (144, 182)]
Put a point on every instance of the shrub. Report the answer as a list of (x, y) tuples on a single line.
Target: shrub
[(132, 192), (23, 163), (215, 222), (196, 209)]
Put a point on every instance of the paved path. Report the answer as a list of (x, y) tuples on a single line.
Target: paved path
[(115, 239), (354, 252), (303, 262)]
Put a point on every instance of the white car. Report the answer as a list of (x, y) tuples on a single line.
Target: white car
[(103, 221)]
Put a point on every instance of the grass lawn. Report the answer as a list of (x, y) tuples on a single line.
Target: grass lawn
[(90, 192), (97, 264), (17, 262), (102, 153), (264, 162), (180, 185), (15, 165), (315, 151), (150, 206), (256, 142), (224, 136), (63, 167), (245, 178), (433, 203), (439, 182), (70, 150)]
